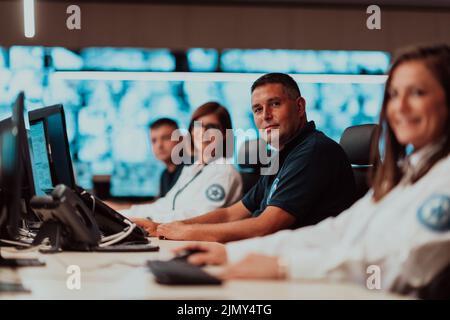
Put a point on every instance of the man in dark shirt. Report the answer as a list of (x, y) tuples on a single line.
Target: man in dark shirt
[(162, 145), (314, 179), (168, 179)]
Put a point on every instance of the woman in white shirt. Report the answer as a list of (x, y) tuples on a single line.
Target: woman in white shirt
[(210, 182), (401, 228)]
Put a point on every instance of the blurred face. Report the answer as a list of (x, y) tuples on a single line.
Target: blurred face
[(161, 144), (207, 136), (276, 113), (417, 110)]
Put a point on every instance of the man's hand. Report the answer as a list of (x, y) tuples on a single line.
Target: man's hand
[(212, 253), (254, 266), (148, 225), (174, 231)]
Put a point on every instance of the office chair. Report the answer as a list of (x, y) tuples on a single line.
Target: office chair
[(356, 142), (249, 162)]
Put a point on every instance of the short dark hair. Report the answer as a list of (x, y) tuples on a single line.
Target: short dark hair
[(163, 122), (284, 79)]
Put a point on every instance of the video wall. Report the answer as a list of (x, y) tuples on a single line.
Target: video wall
[(107, 120)]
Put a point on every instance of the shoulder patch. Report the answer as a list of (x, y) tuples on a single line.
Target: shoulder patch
[(273, 188), (215, 192), (434, 213)]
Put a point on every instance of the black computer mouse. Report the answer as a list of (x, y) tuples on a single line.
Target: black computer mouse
[(184, 254)]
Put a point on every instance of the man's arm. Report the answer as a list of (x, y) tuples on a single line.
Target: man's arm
[(271, 220), (234, 212)]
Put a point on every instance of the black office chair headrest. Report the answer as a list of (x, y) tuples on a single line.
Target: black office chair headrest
[(357, 141)]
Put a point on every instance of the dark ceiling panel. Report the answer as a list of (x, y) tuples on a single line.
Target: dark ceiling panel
[(395, 3)]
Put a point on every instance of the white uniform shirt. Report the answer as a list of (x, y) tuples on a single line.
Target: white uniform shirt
[(198, 190), (406, 234)]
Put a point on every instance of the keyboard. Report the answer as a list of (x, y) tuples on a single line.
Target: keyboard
[(19, 263), (176, 272), (13, 288)]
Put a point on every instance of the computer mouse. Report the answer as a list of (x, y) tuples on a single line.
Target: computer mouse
[(184, 254)]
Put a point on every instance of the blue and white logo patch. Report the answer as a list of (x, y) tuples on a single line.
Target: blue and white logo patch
[(215, 192), (434, 213), (273, 188)]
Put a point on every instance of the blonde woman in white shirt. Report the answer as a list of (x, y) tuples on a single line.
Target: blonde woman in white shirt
[(402, 226)]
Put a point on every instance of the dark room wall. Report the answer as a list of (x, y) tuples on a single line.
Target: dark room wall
[(224, 26)]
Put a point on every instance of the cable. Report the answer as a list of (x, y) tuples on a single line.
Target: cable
[(123, 236), (126, 233), (93, 204), (114, 236), (93, 200), (110, 237)]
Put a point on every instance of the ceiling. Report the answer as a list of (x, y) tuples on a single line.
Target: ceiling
[(392, 3)]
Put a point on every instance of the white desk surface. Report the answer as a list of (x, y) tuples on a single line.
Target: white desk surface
[(125, 276)]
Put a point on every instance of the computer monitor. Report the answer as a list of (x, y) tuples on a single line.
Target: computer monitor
[(14, 167), (51, 158), (12, 136), (28, 190), (52, 164)]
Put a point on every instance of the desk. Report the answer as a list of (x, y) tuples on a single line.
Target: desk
[(124, 276)]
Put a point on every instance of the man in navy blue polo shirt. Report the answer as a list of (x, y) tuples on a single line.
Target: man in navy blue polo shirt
[(314, 180)]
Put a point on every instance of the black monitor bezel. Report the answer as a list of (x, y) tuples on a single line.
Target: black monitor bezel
[(10, 184), (13, 192), (42, 114), (25, 158)]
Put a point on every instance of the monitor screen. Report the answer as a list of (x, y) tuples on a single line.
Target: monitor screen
[(40, 161), (50, 144), (56, 131)]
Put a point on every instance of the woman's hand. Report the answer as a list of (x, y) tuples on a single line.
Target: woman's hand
[(255, 266), (212, 253)]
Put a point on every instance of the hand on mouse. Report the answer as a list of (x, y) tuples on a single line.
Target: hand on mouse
[(207, 253)]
